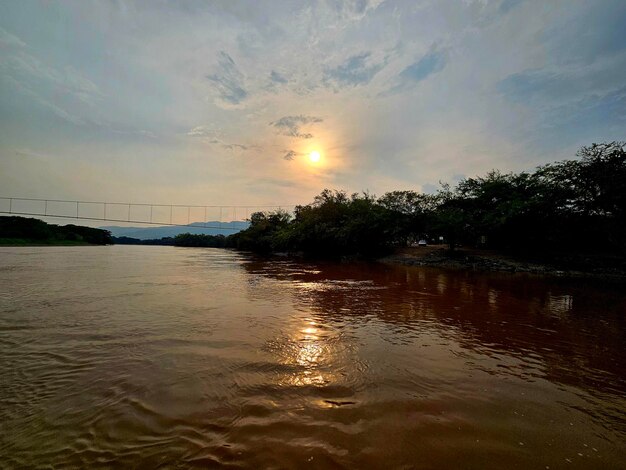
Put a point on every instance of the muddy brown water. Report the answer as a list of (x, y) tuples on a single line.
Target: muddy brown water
[(162, 357)]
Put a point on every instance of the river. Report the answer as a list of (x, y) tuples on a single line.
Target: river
[(163, 357)]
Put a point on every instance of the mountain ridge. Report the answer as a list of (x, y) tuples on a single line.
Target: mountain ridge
[(196, 228)]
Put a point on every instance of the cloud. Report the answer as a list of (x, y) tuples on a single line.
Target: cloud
[(594, 34), (8, 40), (277, 82), (544, 88), (136, 132), (234, 146), (593, 115), (25, 152), (356, 70), (508, 5), (276, 77), (231, 145), (431, 63), (291, 125), (79, 86), (353, 10), (290, 155), (62, 90), (66, 81), (204, 131), (44, 103), (212, 136), (526, 85), (565, 105), (228, 81)]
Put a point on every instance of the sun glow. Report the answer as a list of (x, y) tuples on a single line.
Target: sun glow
[(314, 156)]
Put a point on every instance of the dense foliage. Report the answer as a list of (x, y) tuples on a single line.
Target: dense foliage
[(165, 241), (25, 230), (189, 239), (183, 239), (569, 206)]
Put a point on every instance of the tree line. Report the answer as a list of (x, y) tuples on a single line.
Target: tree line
[(24, 230), (570, 206), (183, 239)]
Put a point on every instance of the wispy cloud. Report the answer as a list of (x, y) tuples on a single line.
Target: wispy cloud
[(356, 70), (277, 82), (25, 152), (204, 131), (136, 132), (64, 91), (212, 136), (290, 155), (429, 64), (234, 146), (44, 103), (276, 77), (228, 81), (508, 5), (291, 126), (8, 40), (545, 87), (353, 10)]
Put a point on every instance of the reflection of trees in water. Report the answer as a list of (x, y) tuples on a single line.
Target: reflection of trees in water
[(576, 327)]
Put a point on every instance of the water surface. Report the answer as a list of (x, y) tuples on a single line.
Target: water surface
[(162, 357)]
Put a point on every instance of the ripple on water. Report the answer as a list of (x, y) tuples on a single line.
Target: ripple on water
[(169, 358)]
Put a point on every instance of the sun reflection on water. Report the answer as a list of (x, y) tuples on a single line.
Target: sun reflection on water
[(310, 354)]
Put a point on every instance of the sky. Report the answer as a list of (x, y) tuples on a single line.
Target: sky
[(221, 102)]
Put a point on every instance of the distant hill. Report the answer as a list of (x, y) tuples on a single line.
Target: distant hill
[(148, 233)]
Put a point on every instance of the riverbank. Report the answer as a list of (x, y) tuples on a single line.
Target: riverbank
[(484, 260)]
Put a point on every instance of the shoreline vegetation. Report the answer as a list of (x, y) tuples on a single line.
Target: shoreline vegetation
[(567, 217), (24, 231)]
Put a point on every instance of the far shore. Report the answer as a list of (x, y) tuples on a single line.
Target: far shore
[(13, 242)]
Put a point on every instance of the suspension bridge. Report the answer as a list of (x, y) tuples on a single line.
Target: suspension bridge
[(229, 218)]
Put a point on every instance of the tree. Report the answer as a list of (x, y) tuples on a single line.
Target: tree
[(412, 213)]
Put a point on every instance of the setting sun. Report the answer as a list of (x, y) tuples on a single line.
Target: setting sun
[(314, 156)]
